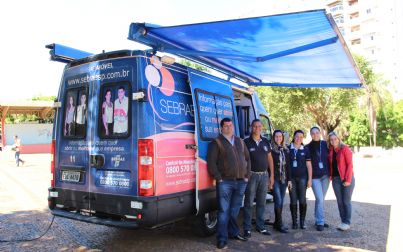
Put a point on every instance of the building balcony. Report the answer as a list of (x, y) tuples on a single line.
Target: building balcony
[(333, 2), (352, 8), (354, 21), (336, 9), (354, 36)]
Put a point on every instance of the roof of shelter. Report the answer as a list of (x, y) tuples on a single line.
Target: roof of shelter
[(39, 108)]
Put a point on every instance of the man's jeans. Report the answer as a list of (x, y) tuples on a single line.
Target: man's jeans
[(298, 191), (257, 187), (279, 190), (229, 195), (343, 196), (319, 187)]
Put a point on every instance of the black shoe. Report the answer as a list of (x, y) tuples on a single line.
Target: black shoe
[(326, 225), (239, 237), (320, 227), (282, 229), (247, 234), (264, 232), (221, 245)]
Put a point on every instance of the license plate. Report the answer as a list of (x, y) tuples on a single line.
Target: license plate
[(71, 176)]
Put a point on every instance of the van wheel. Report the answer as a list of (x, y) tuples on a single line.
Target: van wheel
[(205, 224)]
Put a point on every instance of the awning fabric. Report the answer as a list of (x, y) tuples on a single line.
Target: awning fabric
[(303, 49)]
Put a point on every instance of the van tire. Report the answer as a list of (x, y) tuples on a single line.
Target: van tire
[(205, 224)]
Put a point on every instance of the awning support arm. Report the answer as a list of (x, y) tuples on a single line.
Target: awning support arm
[(298, 49)]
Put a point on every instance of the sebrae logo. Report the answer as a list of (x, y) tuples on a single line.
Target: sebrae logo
[(169, 106)]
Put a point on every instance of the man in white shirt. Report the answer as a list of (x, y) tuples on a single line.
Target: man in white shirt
[(120, 112)]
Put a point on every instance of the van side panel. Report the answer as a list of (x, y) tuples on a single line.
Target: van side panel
[(170, 107)]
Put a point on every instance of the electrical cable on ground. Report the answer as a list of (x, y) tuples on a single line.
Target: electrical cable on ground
[(32, 239)]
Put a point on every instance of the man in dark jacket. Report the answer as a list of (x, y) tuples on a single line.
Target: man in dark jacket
[(228, 162)]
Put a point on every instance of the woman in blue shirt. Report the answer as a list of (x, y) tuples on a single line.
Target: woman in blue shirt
[(301, 178)]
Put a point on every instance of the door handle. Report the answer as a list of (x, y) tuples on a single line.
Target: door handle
[(191, 146), (97, 160)]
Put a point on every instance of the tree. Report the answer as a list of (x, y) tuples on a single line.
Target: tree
[(390, 127), (375, 90), (194, 65), (358, 130), (301, 108)]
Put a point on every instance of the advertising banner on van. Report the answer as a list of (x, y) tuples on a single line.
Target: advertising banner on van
[(171, 108)]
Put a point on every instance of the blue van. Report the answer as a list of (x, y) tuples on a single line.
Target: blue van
[(130, 140)]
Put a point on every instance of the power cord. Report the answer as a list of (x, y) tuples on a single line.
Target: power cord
[(32, 239)]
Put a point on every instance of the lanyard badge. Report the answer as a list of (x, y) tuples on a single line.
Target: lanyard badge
[(295, 163)]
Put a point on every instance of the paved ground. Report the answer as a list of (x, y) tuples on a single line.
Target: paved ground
[(377, 220)]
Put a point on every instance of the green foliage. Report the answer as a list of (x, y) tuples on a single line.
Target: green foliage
[(43, 98), (390, 125), (358, 129), (301, 108), (21, 118), (194, 65)]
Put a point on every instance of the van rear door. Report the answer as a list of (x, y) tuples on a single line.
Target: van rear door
[(95, 164), (213, 101), (113, 173)]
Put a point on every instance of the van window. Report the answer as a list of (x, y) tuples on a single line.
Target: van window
[(212, 108), (266, 131), (114, 115), (243, 113), (75, 115)]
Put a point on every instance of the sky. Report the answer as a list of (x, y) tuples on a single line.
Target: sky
[(97, 25)]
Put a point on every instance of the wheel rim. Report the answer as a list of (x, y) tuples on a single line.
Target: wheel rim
[(210, 219)]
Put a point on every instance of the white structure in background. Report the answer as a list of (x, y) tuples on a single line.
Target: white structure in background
[(374, 29)]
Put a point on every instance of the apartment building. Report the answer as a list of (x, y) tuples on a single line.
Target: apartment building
[(373, 29)]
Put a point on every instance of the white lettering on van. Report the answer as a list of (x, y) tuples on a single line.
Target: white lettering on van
[(101, 67), (176, 108)]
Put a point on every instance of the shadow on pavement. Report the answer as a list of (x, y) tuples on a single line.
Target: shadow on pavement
[(369, 231)]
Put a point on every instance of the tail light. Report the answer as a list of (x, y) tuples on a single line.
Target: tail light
[(146, 167), (52, 163)]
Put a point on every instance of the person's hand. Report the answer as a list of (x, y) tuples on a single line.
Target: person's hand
[(346, 184), (246, 179), (289, 185), (271, 183), (309, 185)]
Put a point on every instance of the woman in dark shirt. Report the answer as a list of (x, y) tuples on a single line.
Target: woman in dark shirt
[(280, 154), (320, 175), (301, 178)]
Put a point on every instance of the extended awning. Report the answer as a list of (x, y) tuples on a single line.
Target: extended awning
[(303, 49)]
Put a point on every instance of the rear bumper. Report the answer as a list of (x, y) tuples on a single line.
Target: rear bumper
[(95, 220), (117, 210)]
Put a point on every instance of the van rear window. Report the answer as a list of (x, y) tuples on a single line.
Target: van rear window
[(75, 115), (114, 112), (212, 108)]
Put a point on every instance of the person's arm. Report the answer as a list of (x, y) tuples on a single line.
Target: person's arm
[(212, 160), (104, 119), (247, 158), (271, 168), (348, 156), (309, 167)]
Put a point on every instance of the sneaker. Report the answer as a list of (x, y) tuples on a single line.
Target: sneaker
[(264, 232), (320, 227), (343, 227), (326, 225), (247, 234), (239, 237), (221, 245)]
